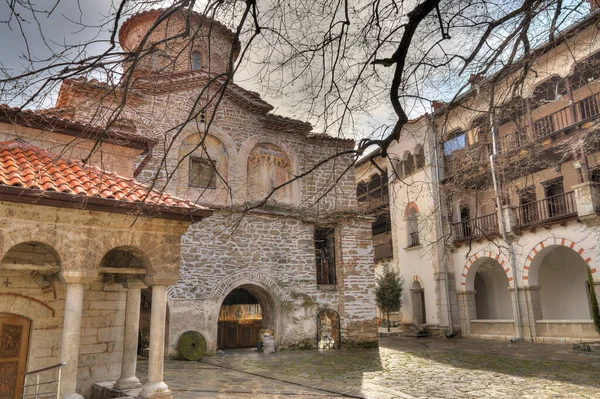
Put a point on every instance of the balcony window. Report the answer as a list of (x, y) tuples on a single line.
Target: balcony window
[(528, 208), (412, 225), (325, 255), (555, 201), (456, 143)]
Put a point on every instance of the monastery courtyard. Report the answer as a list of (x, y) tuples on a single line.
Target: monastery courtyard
[(401, 368)]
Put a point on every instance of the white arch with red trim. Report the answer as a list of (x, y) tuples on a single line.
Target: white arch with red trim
[(482, 254), (558, 241)]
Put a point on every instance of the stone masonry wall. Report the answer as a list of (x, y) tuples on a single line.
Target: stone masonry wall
[(101, 342), (357, 291)]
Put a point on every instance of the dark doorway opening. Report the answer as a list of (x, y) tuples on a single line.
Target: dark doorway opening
[(240, 320)]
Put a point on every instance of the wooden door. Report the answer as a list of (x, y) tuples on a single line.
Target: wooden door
[(14, 341)]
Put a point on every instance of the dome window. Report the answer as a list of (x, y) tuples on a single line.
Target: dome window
[(196, 61)]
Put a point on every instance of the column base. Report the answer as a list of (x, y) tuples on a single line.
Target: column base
[(155, 390), (72, 396), (127, 383)]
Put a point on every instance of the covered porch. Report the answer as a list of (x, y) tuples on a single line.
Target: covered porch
[(78, 245)]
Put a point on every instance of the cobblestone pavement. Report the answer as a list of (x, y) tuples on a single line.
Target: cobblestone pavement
[(401, 368)]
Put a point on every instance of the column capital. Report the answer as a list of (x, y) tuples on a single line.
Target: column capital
[(78, 276), (132, 283), (160, 279)]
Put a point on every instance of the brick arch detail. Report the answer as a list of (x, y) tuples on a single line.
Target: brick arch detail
[(486, 254), (410, 206), (418, 279), (563, 242)]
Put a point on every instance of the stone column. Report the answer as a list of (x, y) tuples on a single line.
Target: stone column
[(128, 380), (468, 311), (530, 302), (71, 332), (156, 387)]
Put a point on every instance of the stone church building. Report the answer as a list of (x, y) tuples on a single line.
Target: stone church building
[(239, 233)]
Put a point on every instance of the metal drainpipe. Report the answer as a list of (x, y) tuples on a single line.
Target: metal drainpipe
[(439, 228), (512, 260)]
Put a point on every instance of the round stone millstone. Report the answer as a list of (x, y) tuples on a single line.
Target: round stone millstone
[(192, 345)]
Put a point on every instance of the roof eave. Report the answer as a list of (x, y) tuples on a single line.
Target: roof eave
[(72, 201)]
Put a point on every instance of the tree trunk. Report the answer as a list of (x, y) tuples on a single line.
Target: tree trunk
[(388, 318)]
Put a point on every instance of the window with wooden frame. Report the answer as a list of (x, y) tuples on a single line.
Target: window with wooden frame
[(325, 255), (202, 173)]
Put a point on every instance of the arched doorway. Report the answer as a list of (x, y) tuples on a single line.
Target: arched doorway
[(562, 278), (14, 343), (245, 311), (492, 293), (417, 296)]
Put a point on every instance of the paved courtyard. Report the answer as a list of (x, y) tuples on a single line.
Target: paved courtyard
[(400, 368)]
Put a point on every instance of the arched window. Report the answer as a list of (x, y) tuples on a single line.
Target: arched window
[(412, 227), (421, 158), (154, 60), (399, 169), (196, 62), (409, 164)]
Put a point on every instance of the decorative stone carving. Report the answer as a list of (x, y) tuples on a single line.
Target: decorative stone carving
[(10, 340)]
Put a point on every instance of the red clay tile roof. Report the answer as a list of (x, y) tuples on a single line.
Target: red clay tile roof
[(46, 119), (34, 171)]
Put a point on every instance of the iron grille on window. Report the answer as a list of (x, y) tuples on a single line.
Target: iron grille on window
[(325, 255)]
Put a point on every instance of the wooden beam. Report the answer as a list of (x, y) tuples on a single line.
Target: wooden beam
[(122, 270), (29, 267)]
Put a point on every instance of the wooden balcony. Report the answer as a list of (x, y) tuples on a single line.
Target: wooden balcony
[(383, 250), (557, 207), (550, 125), (468, 158), (475, 228)]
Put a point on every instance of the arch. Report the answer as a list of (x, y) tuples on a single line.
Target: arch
[(213, 153), (126, 257), (266, 298), (467, 279), (25, 306), (410, 164), (533, 261), (249, 277), (411, 205), (417, 296), (419, 157), (491, 291), (397, 170), (32, 252), (268, 165), (328, 329)]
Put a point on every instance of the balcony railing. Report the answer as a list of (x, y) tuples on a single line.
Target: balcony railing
[(465, 158), (548, 209), (483, 226), (46, 384), (567, 117), (383, 250), (413, 239)]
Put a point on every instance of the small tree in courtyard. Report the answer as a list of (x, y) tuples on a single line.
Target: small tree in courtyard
[(388, 292)]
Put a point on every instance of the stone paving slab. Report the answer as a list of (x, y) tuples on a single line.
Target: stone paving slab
[(401, 368)]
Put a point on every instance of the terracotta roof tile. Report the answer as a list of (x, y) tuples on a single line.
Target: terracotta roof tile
[(30, 167)]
